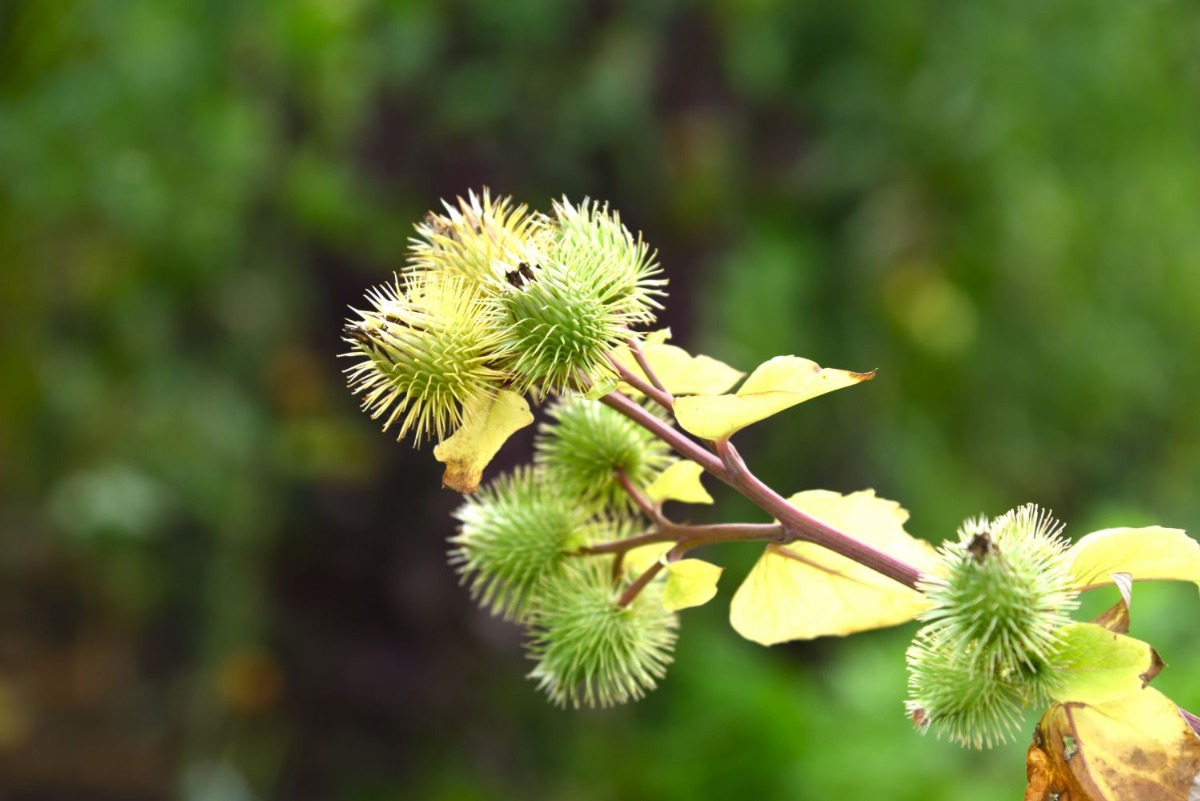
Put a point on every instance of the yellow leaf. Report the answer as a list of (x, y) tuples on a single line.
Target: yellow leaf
[(775, 385), (679, 371), (487, 424), (1109, 736), (684, 374), (1144, 553), (800, 591), (679, 482), (1137, 746), (639, 558), (657, 337), (690, 582)]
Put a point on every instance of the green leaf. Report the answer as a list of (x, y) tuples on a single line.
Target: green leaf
[(690, 582), (1152, 553), (487, 425), (800, 591), (1101, 665), (775, 385), (679, 482)]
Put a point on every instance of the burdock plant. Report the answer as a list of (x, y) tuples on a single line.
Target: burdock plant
[(424, 356), (1000, 600), (499, 305)]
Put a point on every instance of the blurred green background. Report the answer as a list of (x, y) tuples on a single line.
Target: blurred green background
[(219, 581)]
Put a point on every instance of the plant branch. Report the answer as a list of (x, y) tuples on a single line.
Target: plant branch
[(695, 537), (684, 446), (805, 527), (685, 538), (728, 465), (635, 347), (692, 536), (659, 396), (627, 544), (727, 532), (648, 506), (639, 584)]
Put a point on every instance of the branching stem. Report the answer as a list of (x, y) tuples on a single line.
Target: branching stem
[(639, 584), (808, 528), (685, 538), (728, 532), (693, 536), (728, 466), (681, 443), (648, 506), (640, 355), (650, 390), (628, 543)]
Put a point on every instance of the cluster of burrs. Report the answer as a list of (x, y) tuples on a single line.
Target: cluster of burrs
[(496, 298), (999, 596)]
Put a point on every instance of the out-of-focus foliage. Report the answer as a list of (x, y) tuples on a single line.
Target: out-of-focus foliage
[(219, 581)]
